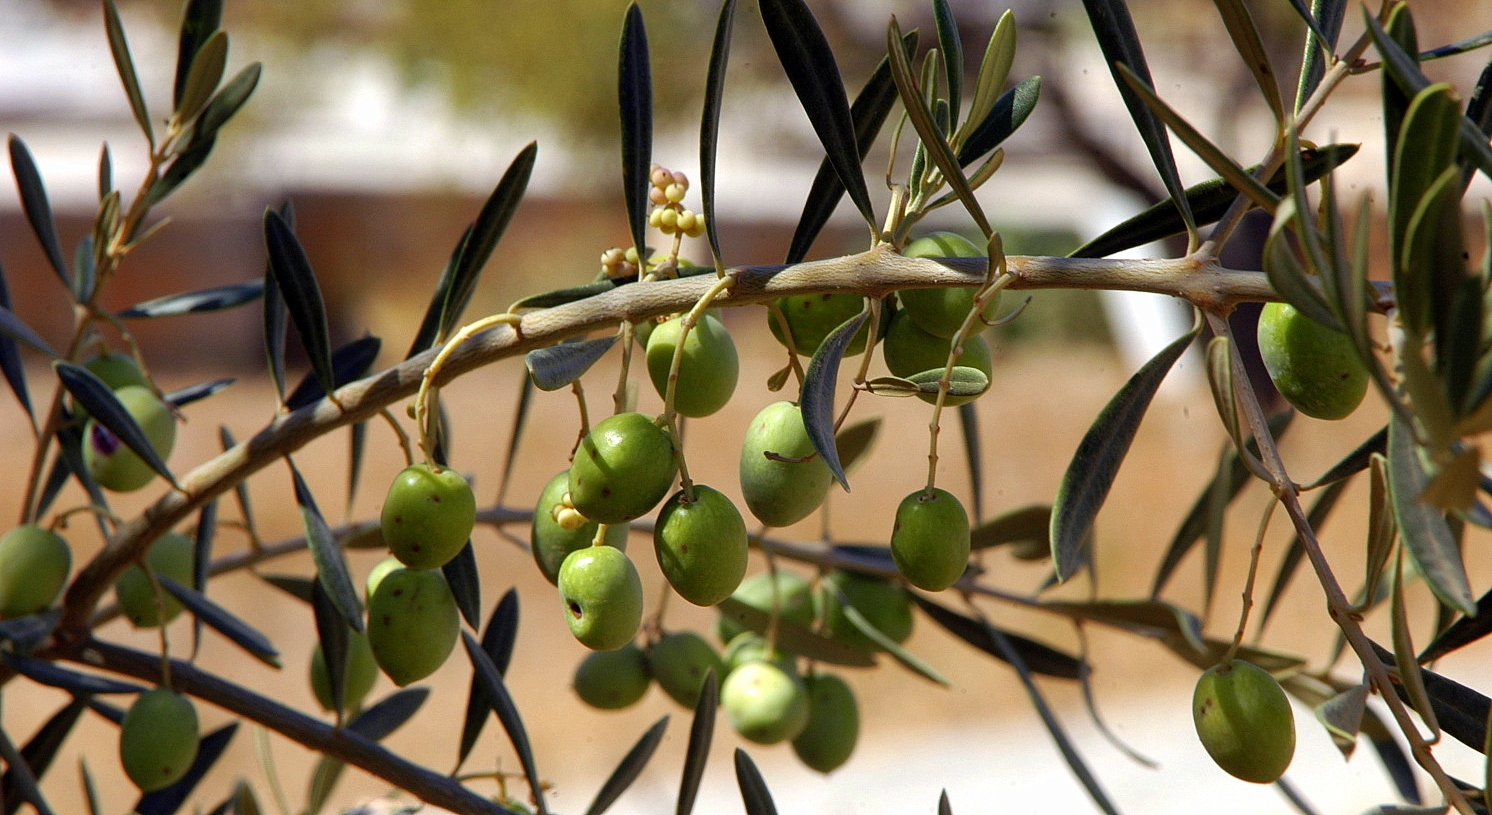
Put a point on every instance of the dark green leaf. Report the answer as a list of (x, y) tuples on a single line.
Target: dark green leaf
[(207, 527), (25, 783), (1355, 461), (944, 808), (461, 574), (209, 749), (331, 565), (968, 425), (180, 169), (1325, 22), (90, 790), (856, 441), (120, 49), (1246, 41), (296, 586), (635, 94), (275, 318), (297, 283), (753, 787), (1028, 523), (709, 123), (557, 366), (1096, 462), (199, 20), (203, 77), (223, 621), (1426, 151), (14, 330), (10, 354), (795, 638), (41, 749), (222, 107), (85, 266), (1039, 658), (883, 642), (1009, 113), (951, 49), (350, 363), (817, 400), (213, 299), (809, 64), (1423, 528), (104, 407), (1121, 47), (701, 732), (630, 767), (110, 713), (334, 640), (378, 721), (502, 704), (1462, 711), (193, 393), (69, 461), (241, 489), (34, 202), (1463, 632), (520, 420), (47, 673), (962, 381)]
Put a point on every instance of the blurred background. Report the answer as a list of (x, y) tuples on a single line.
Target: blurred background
[(387, 122)]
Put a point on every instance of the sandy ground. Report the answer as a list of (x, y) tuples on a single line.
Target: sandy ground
[(979, 738)]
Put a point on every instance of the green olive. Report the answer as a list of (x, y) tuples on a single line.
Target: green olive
[(882, 603), (811, 318), (749, 646), (1243, 719), (622, 469), (602, 596), (412, 623), (428, 515), (701, 545), (158, 739), (795, 601), (612, 680), (1314, 367), (113, 465), (782, 479), (115, 369), (172, 555), (707, 371), (765, 703), (910, 350), (833, 723), (930, 541), (941, 311), (559, 529), (361, 672), (680, 661), (34, 562)]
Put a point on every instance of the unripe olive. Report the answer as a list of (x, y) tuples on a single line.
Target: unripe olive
[(1314, 367), (1244, 721), (942, 311), (812, 317), (833, 723), (158, 739), (882, 603), (680, 661), (612, 680), (172, 555), (701, 545), (361, 673), (795, 601), (379, 571), (788, 486), (113, 465), (708, 370), (764, 703), (34, 562), (428, 515), (115, 369), (412, 623), (930, 541), (552, 541), (910, 350), (749, 646), (602, 595), (622, 469)]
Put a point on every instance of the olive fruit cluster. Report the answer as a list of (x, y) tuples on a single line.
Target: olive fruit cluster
[(558, 528), (428, 515), (1315, 368), (1243, 719), (413, 621), (34, 563), (158, 739)]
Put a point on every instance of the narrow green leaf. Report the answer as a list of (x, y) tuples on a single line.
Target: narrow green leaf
[(331, 565), (209, 749), (297, 284), (334, 640), (810, 67), (968, 425), (36, 206), (47, 673), (1096, 462), (216, 298), (1009, 112), (1342, 716), (1038, 657), (1355, 461), (90, 790), (1433, 269), (951, 49), (203, 77), (515, 435), (709, 123), (1295, 551), (635, 93), (795, 638), (1409, 675), (199, 20), (1028, 523), (1463, 632), (1324, 20), (560, 297), (1461, 711), (120, 49), (754, 790), (629, 769), (382, 719), (1383, 530), (498, 639), (207, 527), (240, 490), (41, 749), (1426, 149), (557, 366), (885, 643), (701, 732), (461, 574), (180, 169), (275, 323), (1120, 44), (1423, 528), (507, 713), (817, 400), (1246, 41), (350, 363), (13, 329), (994, 72), (1294, 281), (10, 353), (21, 775), (91, 392), (224, 622)]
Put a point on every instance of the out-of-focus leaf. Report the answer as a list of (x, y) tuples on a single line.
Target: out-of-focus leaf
[(754, 790), (1246, 41), (1028, 523), (34, 201), (334, 641), (192, 302), (22, 635), (222, 107), (795, 638), (810, 67), (124, 64), (275, 318), (944, 807), (635, 94), (194, 393), (520, 421), (25, 782), (461, 574), (557, 366), (41, 749), (331, 565), (1409, 677), (241, 489), (630, 767), (1342, 717), (203, 76), (1096, 462), (350, 363), (709, 123), (1316, 519), (1121, 47), (297, 284), (209, 749), (224, 622), (292, 584), (1039, 658), (90, 790), (104, 407), (382, 719), (507, 713), (10, 354), (110, 713), (701, 732), (14, 330), (868, 111), (817, 400), (560, 297), (968, 425), (1462, 632), (885, 643), (1462, 711), (951, 49), (856, 441), (1152, 619), (199, 20), (1355, 461), (1423, 527)]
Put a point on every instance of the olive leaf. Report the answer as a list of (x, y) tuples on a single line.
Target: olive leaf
[(209, 749), (701, 732), (216, 298), (125, 65), (1423, 527), (709, 124), (40, 750), (331, 564), (502, 704), (629, 769), (635, 95), (297, 284), (10, 352), (106, 410), (34, 200), (223, 621), (754, 790), (557, 366), (817, 400)]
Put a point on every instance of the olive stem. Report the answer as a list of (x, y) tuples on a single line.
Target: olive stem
[(400, 435), (670, 413), (426, 404), (774, 313), (1248, 586)]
